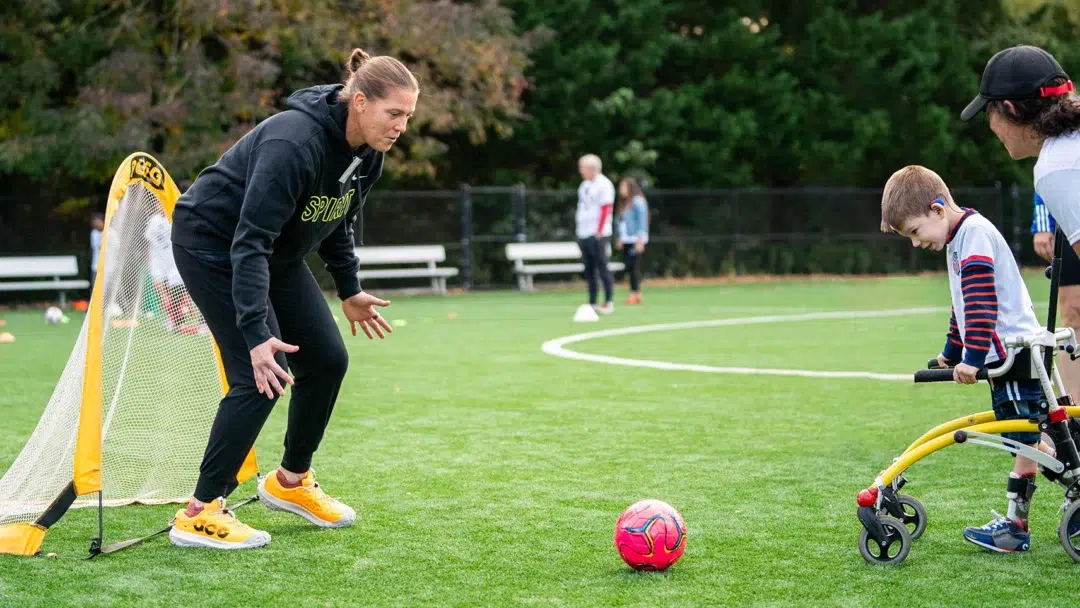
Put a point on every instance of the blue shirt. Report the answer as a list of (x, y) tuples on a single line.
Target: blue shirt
[(634, 222), (1043, 221)]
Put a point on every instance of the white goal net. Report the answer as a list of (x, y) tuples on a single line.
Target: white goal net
[(160, 379)]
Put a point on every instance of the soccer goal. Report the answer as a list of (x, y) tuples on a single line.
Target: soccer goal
[(129, 417)]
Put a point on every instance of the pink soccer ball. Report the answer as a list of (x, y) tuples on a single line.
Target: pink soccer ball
[(650, 535)]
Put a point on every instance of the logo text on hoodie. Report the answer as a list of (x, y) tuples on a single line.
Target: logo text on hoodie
[(327, 209)]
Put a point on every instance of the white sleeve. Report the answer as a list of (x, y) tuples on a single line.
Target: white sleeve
[(607, 193), (1060, 191), (977, 247)]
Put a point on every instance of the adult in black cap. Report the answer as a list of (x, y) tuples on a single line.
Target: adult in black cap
[(1034, 111)]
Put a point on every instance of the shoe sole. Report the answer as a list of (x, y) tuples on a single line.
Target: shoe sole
[(276, 504), (992, 547), (189, 540)]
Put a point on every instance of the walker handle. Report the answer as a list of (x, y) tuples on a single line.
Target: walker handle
[(943, 375)]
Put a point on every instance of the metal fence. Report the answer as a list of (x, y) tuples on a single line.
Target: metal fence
[(693, 232)]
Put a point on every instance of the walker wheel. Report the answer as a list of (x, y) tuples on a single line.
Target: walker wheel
[(895, 548), (914, 515), (1069, 530)]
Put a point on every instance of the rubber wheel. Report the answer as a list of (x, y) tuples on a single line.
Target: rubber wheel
[(914, 515), (897, 546), (1071, 519)]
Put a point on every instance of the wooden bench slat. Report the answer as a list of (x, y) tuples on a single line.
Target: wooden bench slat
[(551, 268), (404, 254), (542, 251), (43, 285), (556, 268), (16, 267), (405, 273)]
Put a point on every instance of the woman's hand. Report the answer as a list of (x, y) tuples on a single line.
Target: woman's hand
[(360, 309), (266, 369)]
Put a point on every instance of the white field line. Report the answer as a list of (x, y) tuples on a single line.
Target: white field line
[(557, 348)]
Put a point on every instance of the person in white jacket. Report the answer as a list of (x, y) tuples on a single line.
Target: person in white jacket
[(596, 200)]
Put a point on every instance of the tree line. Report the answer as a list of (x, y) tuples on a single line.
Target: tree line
[(763, 93)]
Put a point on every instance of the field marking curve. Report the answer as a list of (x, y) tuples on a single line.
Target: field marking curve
[(556, 347)]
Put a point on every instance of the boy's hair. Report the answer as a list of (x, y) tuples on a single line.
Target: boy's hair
[(908, 194)]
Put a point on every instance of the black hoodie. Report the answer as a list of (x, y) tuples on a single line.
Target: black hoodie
[(275, 197)]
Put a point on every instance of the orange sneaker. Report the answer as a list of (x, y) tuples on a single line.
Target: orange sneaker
[(215, 527), (307, 500)]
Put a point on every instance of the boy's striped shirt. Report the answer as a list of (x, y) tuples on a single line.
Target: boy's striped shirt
[(990, 300)]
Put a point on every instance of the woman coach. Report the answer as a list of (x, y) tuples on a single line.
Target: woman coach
[(1033, 109), (292, 185)]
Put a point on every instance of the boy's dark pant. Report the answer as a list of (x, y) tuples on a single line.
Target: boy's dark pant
[(1017, 400), (298, 315), (594, 256), (632, 260)]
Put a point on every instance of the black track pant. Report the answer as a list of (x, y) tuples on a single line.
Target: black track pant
[(594, 255), (298, 315)]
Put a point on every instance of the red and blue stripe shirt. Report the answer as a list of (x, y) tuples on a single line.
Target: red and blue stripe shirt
[(990, 301)]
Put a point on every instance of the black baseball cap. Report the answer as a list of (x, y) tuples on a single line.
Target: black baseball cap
[(1020, 72)]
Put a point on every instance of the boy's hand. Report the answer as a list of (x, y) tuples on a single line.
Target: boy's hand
[(942, 362), (965, 374)]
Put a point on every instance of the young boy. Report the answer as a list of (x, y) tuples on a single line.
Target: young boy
[(168, 284), (990, 306)]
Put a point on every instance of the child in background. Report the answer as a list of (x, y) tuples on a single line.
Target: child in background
[(633, 220), (97, 224)]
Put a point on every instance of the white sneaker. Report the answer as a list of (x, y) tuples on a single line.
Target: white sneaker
[(608, 308)]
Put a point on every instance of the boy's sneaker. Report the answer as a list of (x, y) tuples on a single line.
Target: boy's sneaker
[(1000, 534), (216, 528), (307, 500), (607, 309)]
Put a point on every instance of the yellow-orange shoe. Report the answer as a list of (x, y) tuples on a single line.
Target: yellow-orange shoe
[(307, 500), (216, 528)]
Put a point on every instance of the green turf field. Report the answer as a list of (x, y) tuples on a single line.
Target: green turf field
[(487, 473)]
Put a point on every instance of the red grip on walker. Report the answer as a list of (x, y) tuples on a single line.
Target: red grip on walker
[(868, 497), (1059, 415)]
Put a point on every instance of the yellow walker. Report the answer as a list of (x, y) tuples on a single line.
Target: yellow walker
[(891, 521)]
